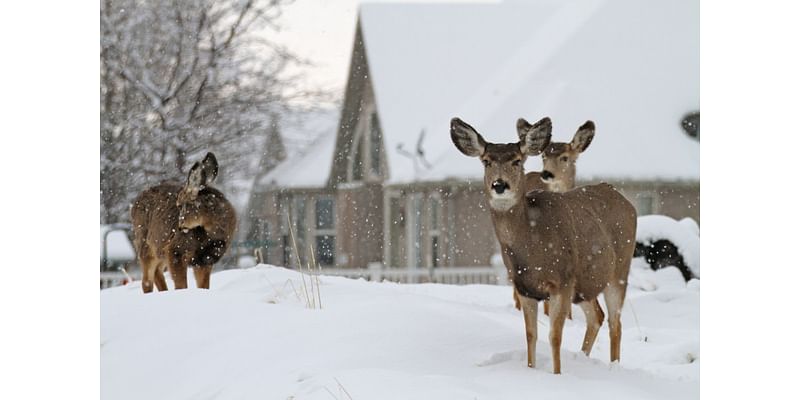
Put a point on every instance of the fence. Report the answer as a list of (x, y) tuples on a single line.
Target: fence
[(375, 272), (448, 275)]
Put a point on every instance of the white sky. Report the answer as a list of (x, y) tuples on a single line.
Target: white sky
[(322, 31)]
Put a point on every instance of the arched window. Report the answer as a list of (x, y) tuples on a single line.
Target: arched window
[(374, 145)]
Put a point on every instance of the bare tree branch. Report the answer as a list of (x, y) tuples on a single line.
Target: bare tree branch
[(179, 78)]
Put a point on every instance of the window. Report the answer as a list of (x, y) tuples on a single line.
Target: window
[(286, 240), (415, 237), (262, 239), (300, 227), (325, 231), (357, 172), (645, 203), (326, 249), (435, 230), (374, 145), (397, 231), (324, 213)]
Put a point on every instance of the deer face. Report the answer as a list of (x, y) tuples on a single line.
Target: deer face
[(559, 159), (190, 204), (504, 172)]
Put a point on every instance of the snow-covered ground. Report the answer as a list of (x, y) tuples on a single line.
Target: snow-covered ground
[(251, 337)]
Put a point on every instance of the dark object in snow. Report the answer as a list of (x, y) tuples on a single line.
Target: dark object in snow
[(691, 124), (663, 253)]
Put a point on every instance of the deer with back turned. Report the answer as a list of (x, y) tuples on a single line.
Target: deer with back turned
[(563, 247), (176, 226)]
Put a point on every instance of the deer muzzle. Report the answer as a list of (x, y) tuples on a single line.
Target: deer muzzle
[(499, 186)]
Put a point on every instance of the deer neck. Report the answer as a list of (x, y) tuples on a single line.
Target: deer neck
[(561, 185), (511, 224)]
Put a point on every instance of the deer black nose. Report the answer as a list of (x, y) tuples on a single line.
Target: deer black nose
[(499, 186), (547, 175)]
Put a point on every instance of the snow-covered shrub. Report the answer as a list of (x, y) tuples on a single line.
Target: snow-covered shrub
[(663, 241)]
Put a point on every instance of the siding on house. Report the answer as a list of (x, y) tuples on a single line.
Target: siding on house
[(675, 199), (437, 224), (359, 225)]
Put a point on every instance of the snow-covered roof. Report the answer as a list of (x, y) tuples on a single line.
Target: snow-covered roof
[(119, 247), (310, 167), (630, 66)]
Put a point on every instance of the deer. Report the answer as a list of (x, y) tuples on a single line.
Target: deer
[(178, 225), (563, 247), (558, 172)]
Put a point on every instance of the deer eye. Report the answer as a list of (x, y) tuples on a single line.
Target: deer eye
[(515, 163), (564, 158), (486, 163)]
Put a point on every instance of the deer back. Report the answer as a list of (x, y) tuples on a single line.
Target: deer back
[(154, 214), (155, 217), (581, 237)]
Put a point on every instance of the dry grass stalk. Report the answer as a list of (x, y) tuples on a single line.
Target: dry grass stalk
[(316, 271), (297, 257)]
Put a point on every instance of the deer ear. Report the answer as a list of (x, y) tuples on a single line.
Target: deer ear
[(195, 181), (534, 138), (210, 169), (583, 137), (466, 138)]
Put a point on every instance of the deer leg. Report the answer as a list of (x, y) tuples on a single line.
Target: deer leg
[(510, 270), (148, 266), (530, 308), (158, 277), (559, 308), (594, 320), (177, 269), (615, 297), (202, 275), (547, 309)]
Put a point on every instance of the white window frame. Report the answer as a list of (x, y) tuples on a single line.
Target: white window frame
[(414, 234), (325, 231), (654, 201), (434, 227)]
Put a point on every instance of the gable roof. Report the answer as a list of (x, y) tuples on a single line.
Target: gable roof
[(630, 66), (308, 168)]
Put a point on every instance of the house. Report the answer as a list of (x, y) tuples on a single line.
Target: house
[(388, 186)]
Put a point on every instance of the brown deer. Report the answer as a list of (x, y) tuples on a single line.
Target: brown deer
[(177, 226), (558, 159), (558, 172), (562, 247)]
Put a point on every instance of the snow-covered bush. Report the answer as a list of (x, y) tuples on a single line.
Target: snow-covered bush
[(663, 241)]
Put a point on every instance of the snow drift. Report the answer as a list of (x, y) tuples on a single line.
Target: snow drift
[(251, 336)]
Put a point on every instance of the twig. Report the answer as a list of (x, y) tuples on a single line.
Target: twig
[(313, 300), (331, 393), (289, 281), (636, 320), (318, 270), (297, 256), (342, 388), (319, 294)]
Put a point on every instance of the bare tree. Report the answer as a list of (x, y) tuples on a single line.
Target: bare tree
[(179, 78)]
